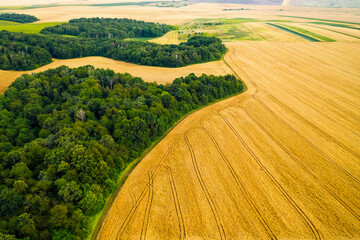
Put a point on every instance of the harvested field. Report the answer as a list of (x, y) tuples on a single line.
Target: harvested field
[(346, 31), (270, 33), (169, 38), (324, 32), (188, 13), (147, 73), (278, 161)]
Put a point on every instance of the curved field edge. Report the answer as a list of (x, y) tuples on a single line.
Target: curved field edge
[(147, 73), (100, 217)]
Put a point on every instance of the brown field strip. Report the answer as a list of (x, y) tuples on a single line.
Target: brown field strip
[(147, 73), (278, 161)]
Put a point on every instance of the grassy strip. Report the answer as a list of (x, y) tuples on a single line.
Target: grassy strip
[(319, 19), (28, 27), (308, 33), (336, 25), (100, 217), (295, 33)]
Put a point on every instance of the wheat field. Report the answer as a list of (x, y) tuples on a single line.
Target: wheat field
[(279, 161)]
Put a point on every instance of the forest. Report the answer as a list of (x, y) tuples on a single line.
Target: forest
[(66, 134), (16, 54), (20, 18), (109, 28), (20, 56)]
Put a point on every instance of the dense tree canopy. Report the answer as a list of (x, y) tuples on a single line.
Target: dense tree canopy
[(109, 28), (65, 135), (20, 18), (197, 49), (20, 56)]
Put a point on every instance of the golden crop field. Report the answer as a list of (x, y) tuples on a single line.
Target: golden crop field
[(278, 161), (169, 38)]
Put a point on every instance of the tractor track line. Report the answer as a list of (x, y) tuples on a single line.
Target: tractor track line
[(148, 207), (143, 193), (352, 177), (325, 134), (205, 190), (334, 195), (241, 186), (276, 183), (177, 204)]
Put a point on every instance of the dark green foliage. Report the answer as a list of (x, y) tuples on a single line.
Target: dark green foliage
[(109, 28), (29, 51), (20, 56), (66, 134), (20, 18)]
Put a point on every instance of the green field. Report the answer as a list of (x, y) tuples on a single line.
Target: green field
[(7, 23), (225, 29), (27, 27)]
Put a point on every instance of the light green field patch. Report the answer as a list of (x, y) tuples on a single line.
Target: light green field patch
[(223, 28), (7, 23), (28, 27)]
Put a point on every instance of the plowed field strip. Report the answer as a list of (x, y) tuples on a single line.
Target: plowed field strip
[(205, 190), (286, 195), (143, 193), (177, 204), (354, 213), (148, 207), (330, 160), (240, 186)]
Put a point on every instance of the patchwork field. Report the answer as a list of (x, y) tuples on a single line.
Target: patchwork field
[(279, 161), (150, 74)]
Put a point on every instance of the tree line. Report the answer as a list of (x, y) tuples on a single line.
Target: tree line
[(66, 134), (97, 28), (20, 56), (20, 18), (197, 49)]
